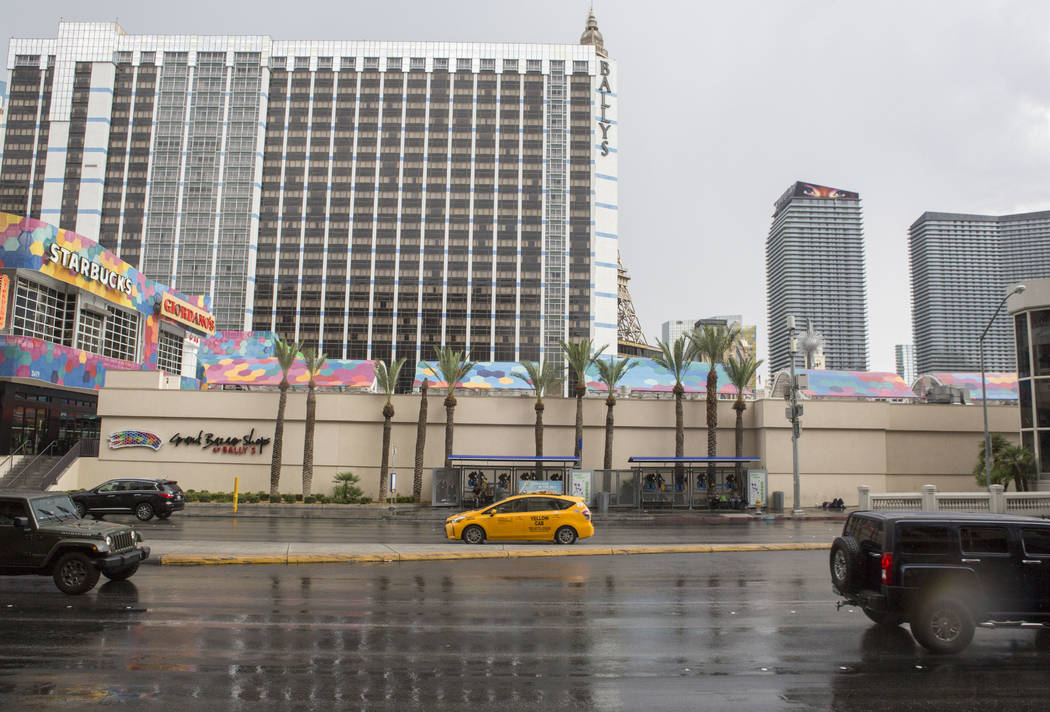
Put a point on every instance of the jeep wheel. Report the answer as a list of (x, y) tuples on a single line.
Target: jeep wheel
[(124, 574), (474, 534), (144, 511), (81, 509), (943, 625), (846, 564), (887, 619), (75, 573)]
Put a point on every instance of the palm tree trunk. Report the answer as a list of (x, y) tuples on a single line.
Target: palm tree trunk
[(384, 466), (739, 407), (712, 412), (539, 427), (278, 443), (712, 424), (308, 440), (679, 429), (610, 403), (679, 423), (577, 450), (450, 424), (421, 441)]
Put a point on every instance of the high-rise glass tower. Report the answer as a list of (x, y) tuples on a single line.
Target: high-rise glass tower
[(815, 272), (961, 266), (904, 357), (374, 199)]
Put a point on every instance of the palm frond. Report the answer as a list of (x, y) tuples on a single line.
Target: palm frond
[(387, 376)]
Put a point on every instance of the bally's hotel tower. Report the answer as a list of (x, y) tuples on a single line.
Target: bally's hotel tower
[(373, 199)]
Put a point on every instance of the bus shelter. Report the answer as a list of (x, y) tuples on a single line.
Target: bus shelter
[(479, 480), (688, 482)]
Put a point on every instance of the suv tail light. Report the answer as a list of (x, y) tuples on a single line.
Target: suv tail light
[(887, 569), (165, 495)]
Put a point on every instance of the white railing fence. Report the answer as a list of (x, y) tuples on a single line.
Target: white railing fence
[(930, 500)]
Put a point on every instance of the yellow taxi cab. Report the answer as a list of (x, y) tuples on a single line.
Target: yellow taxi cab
[(530, 517)]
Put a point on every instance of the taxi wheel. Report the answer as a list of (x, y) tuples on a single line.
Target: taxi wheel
[(565, 535), (474, 534)]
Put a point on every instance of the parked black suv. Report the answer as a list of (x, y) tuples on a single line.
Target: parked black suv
[(41, 534), (944, 572), (140, 496)]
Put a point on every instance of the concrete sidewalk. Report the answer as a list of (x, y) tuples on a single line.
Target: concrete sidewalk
[(209, 553)]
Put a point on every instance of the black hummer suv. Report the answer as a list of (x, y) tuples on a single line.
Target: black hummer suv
[(41, 533), (944, 572)]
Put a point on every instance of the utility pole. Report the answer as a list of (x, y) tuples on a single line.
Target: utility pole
[(794, 412)]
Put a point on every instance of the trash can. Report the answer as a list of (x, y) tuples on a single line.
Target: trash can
[(603, 502), (777, 503)]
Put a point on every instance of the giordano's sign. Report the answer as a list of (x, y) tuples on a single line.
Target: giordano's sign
[(185, 313), (88, 268)]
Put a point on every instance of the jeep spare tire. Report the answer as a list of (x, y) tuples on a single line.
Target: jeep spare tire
[(846, 564)]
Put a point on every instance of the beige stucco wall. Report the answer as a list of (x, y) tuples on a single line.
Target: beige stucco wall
[(888, 446)]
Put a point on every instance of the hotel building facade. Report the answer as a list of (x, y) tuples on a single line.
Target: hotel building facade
[(961, 267), (815, 272), (372, 199)]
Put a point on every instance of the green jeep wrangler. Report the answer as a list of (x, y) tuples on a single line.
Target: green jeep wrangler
[(41, 533)]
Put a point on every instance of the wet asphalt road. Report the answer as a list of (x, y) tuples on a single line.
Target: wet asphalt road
[(755, 631), (678, 531)]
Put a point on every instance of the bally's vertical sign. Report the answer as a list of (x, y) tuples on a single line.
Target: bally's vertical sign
[(604, 91)]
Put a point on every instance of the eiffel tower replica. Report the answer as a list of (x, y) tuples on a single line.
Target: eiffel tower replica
[(628, 329)]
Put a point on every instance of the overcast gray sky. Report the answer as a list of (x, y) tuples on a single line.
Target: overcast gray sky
[(915, 105)]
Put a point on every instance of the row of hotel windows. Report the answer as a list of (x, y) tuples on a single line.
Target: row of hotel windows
[(393, 64), (51, 314)]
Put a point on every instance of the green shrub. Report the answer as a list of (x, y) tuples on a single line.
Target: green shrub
[(299, 497), (309, 500), (288, 498), (364, 500), (349, 491)]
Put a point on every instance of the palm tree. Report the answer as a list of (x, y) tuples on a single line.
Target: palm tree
[(421, 442), (712, 344), (285, 353), (578, 355), (540, 376), (314, 364), (676, 357), (386, 379), (741, 369), (1018, 461), (453, 366), (1009, 461), (610, 372)]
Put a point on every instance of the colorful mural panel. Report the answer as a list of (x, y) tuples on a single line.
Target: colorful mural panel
[(854, 384), (267, 372), (29, 357), (999, 386), (489, 375), (236, 345), (645, 377)]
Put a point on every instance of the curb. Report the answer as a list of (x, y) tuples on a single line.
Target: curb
[(476, 553)]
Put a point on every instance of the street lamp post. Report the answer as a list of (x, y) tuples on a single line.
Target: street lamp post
[(984, 390), (794, 413)]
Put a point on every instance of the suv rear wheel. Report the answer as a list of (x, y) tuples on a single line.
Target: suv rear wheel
[(144, 511), (846, 564), (943, 625)]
